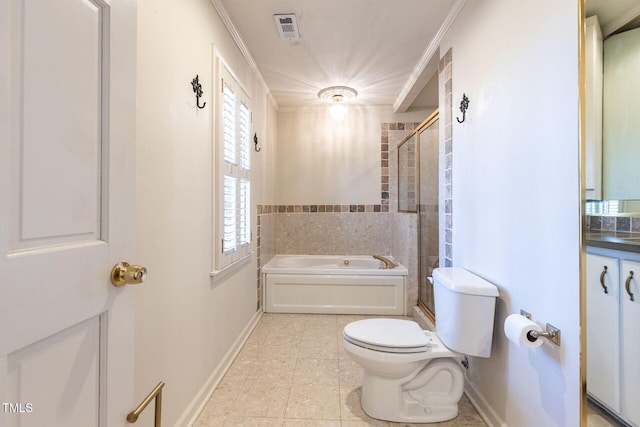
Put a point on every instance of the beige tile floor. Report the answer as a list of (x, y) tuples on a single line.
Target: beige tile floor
[(293, 371), (596, 417)]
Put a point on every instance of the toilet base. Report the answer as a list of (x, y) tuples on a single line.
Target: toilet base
[(429, 395)]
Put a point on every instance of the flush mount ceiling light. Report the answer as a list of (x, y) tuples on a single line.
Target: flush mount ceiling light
[(337, 93)]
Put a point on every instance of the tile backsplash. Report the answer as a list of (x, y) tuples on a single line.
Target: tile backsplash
[(613, 223)]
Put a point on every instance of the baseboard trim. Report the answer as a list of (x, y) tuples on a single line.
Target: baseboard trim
[(486, 411), (193, 410)]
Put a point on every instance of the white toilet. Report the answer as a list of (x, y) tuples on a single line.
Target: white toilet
[(411, 375)]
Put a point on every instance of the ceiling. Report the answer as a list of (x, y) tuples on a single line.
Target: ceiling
[(375, 46)]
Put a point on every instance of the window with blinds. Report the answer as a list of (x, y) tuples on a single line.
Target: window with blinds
[(233, 167)]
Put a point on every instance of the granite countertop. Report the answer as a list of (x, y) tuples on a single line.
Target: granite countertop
[(618, 240)]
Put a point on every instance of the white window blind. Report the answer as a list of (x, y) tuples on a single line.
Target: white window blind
[(245, 137), (229, 214), (229, 123), (245, 208), (233, 166)]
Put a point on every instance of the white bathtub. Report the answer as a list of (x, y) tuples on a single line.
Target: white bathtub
[(333, 284)]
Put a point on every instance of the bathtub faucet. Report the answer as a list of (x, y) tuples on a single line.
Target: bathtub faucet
[(387, 262)]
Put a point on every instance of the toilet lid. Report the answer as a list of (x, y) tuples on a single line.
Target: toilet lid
[(388, 334)]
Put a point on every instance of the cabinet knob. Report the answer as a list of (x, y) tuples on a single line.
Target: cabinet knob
[(604, 272), (627, 285)]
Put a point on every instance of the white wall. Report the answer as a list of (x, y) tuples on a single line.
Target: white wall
[(185, 324), (516, 195), (326, 161)]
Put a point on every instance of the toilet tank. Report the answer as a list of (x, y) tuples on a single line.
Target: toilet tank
[(464, 309)]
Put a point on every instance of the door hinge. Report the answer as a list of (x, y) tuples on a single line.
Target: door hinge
[(222, 246)]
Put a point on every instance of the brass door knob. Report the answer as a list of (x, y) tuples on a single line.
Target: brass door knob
[(123, 273)]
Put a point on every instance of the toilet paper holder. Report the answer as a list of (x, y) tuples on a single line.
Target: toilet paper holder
[(551, 333)]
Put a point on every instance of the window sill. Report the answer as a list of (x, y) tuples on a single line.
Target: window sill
[(220, 275)]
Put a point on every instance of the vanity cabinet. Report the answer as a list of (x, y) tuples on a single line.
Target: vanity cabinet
[(613, 331)]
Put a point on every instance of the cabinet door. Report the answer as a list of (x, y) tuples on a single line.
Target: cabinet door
[(630, 341), (603, 332)]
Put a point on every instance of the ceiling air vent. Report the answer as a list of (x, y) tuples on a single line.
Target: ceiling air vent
[(287, 25)]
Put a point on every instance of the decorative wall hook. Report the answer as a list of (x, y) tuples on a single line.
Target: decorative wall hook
[(464, 105), (197, 88), (255, 141)]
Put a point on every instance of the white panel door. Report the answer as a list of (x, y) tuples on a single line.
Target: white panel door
[(603, 326), (67, 129), (630, 367)]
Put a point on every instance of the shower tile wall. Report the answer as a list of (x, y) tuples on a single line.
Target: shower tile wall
[(394, 138), (406, 165), (391, 135), (445, 82)]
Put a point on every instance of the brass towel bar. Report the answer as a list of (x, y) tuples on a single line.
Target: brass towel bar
[(157, 393)]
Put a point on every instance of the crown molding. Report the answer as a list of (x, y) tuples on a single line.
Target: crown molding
[(623, 20), (233, 31), (420, 75)]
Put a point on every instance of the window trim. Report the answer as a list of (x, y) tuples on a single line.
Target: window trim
[(231, 258)]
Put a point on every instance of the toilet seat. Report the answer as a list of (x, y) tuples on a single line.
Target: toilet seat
[(390, 336)]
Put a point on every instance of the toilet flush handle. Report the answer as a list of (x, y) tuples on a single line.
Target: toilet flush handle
[(604, 271)]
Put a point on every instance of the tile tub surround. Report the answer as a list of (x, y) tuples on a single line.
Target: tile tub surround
[(319, 230), (344, 233), (293, 371)]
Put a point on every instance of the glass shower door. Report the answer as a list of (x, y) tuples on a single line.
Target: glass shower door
[(428, 152)]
